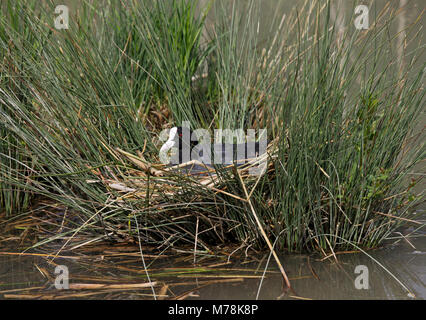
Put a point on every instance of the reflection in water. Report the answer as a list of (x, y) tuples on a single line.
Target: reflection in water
[(337, 281), (175, 275)]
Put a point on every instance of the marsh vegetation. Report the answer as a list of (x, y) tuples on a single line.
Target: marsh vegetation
[(81, 110)]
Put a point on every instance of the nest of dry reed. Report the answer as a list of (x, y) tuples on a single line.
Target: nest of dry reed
[(157, 181)]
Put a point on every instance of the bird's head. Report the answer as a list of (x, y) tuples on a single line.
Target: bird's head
[(178, 139)]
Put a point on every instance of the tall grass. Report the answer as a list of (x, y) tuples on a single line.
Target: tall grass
[(14, 198), (172, 33), (342, 120)]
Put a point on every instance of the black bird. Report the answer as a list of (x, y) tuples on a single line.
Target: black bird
[(204, 156)]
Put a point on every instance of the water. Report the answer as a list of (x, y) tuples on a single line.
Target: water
[(212, 278), (337, 281)]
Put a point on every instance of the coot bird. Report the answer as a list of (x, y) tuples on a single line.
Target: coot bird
[(184, 152)]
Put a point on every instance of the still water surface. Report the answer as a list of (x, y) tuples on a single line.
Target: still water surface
[(212, 278)]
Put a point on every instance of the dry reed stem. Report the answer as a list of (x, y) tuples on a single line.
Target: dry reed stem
[(96, 286), (287, 282)]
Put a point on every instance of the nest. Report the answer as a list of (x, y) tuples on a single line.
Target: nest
[(158, 181)]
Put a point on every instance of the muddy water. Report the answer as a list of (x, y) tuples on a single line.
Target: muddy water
[(396, 271), (338, 281)]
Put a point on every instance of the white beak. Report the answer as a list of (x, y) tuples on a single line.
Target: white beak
[(164, 151)]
